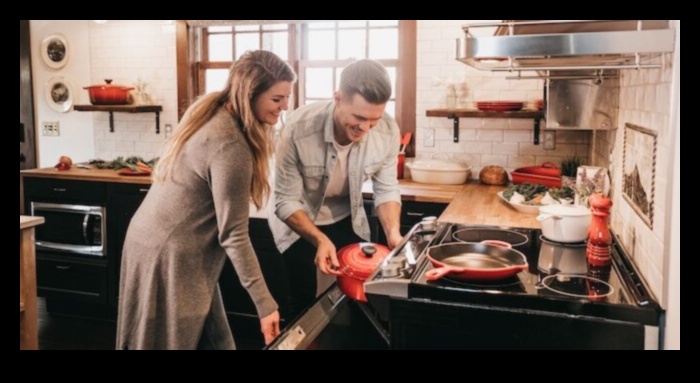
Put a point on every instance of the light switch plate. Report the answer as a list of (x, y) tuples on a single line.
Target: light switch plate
[(50, 128)]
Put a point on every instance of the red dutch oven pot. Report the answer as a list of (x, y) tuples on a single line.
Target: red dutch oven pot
[(108, 94), (357, 262)]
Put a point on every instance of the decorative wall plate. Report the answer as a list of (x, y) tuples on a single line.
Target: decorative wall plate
[(59, 94), (55, 51)]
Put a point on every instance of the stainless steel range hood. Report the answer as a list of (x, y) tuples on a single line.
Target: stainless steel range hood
[(552, 45)]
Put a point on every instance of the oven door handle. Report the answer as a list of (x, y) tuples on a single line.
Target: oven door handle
[(86, 221)]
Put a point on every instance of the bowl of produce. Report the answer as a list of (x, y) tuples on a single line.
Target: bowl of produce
[(528, 198)]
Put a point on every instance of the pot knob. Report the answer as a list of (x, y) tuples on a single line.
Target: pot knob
[(108, 81), (369, 251)]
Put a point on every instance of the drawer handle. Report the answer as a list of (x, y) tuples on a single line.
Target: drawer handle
[(59, 190), (412, 214), (143, 191), (63, 267)]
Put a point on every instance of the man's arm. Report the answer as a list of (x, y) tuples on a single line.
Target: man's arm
[(389, 214)]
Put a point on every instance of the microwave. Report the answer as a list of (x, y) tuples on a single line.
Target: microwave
[(77, 229)]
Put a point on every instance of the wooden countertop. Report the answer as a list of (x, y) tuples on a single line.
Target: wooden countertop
[(414, 191), (478, 204), (26, 222), (104, 175)]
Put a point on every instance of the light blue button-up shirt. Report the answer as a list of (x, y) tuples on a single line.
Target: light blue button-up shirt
[(306, 156)]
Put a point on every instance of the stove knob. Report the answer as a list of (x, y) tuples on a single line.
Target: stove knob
[(391, 271)]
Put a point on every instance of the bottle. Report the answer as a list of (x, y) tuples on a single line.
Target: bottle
[(599, 237)]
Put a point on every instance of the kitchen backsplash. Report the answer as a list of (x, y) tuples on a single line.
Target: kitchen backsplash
[(503, 142), (132, 51), (645, 100)]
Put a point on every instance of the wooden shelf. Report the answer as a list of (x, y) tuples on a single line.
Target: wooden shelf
[(456, 114), (123, 109), (473, 113)]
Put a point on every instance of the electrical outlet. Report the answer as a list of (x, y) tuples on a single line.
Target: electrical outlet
[(550, 139), (50, 128), (429, 138), (168, 130)]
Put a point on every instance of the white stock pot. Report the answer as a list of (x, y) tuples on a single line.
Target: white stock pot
[(562, 223)]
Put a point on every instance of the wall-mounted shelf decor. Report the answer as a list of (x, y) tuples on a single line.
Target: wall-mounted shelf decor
[(122, 108), (456, 114)]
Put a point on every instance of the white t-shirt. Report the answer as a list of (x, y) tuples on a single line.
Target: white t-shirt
[(336, 202)]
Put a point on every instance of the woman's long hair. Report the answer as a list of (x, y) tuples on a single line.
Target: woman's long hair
[(253, 74)]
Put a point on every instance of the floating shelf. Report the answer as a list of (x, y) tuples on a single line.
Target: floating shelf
[(456, 114), (124, 109)]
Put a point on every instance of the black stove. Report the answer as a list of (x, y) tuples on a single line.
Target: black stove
[(558, 302)]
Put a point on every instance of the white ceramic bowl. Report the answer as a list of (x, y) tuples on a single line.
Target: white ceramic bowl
[(439, 172), (527, 209)]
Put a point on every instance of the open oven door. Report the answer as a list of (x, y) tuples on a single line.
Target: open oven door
[(333, 322)]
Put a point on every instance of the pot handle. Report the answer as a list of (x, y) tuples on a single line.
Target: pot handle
[(497, 243), (549, 164), (544, 217), (435, 274)]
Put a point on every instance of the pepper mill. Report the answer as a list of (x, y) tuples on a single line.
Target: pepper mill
[(599, 237)]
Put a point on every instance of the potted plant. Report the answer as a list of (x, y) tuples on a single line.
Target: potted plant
[(569, 167)]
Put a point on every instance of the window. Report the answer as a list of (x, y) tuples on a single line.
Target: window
[(317, 50)]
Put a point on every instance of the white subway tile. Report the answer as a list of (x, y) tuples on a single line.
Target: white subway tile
[(517, 136), (515, 162), (507, 148), (488, 135), (495, 123)]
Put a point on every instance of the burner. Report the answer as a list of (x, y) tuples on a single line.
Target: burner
[(578, 286)]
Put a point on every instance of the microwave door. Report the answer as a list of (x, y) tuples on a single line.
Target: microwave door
[(71, 228)]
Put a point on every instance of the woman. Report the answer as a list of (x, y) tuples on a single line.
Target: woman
[(196, 215)]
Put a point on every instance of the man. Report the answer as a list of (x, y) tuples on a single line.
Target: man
[(326, 151)]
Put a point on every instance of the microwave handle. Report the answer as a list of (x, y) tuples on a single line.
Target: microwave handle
[(86, 221)]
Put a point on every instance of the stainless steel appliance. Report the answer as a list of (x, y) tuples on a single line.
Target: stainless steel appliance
[(74, 229), (541, 308)]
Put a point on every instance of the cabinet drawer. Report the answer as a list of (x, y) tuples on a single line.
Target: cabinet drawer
[(64, 190), (133, 189), (69, 281), (414, 212)]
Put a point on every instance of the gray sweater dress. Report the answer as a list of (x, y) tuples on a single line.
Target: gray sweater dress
[(178, 242)]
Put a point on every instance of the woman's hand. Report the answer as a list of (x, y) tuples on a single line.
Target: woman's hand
[(270, 327), (326, 258)]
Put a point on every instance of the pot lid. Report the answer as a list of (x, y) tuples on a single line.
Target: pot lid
[(439, 165), (359, 260), (108, 85), (565, 210)]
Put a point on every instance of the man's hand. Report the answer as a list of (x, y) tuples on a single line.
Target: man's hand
[(326, 257), (394, 239), (270, 327)]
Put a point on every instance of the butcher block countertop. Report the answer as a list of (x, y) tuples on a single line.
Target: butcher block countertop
[(414, 191), (25, 222), (103, 175), (471, 204)]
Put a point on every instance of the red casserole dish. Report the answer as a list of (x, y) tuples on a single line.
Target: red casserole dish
[(547, 174), (108, 94)]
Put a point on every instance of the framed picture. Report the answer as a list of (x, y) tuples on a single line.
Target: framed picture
[(55, 51), (59, 94), (639, 171)]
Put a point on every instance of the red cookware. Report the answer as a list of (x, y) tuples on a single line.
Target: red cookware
[(474, 262), (357, 262), (547, 174), (108, 94)]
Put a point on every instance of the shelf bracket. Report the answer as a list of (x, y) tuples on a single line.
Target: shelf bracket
[(157, 122), (455, 127), (111, 122), (536, 138)]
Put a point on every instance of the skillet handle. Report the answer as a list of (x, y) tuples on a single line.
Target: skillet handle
[(435, 274)]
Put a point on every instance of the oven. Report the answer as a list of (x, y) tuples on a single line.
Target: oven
[(72, 229), (558, 302)]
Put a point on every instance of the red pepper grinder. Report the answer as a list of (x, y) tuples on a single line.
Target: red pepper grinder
[(599, 237)]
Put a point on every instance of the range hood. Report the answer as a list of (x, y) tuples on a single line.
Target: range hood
[(553, 45)]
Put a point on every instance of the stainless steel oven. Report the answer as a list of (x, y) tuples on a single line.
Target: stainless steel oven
[(76, 229)]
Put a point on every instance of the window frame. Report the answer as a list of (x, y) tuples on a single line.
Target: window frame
[(191, 71)]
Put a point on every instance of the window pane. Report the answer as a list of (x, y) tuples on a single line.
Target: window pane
[(338, 72), (383, 23), (352, 44), (384, 44), (319, 83), (392, 75), (322, 25), (247, 28), (220, 48), (219, 29), (215, 80), (352, 24), (391, 108), (247, 42), (277, 43), (275, 27), (322, 45)]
